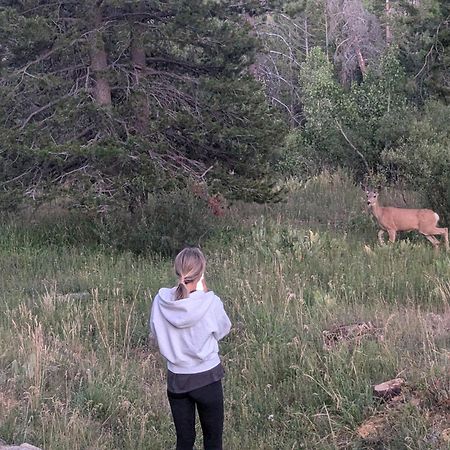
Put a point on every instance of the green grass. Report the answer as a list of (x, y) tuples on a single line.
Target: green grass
[(76, 371)]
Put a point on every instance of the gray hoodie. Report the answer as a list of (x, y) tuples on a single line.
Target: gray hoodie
[(188, 330)]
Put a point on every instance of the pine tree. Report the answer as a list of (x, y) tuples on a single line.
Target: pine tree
[(110, 98)]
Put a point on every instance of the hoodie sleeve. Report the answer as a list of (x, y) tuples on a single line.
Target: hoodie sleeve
[(223, 324), (151, 326)]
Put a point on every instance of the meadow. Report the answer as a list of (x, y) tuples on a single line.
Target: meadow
[(77, 370)]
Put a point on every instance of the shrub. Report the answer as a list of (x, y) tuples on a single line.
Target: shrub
[(424, 159), (165, 224)]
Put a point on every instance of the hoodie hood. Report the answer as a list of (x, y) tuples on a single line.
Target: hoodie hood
[(185, 312)]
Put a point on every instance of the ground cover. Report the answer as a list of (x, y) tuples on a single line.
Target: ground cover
[(77, 372)]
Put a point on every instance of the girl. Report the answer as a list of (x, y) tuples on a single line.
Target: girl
[(187, 322)]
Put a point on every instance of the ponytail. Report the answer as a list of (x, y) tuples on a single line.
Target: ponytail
[(182, 291), (189, 266)]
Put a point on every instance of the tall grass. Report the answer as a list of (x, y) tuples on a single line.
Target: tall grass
[(77, 372)]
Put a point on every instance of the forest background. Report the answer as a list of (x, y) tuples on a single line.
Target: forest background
[(132, 128), (109, 105)]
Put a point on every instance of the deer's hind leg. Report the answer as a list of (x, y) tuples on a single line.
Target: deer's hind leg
[(444, 232), (433, 240), (438, 232)]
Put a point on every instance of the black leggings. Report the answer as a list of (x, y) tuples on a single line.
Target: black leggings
[(209, 402)]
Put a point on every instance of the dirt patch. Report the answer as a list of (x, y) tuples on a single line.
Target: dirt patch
[(373, 428), (380, 427)]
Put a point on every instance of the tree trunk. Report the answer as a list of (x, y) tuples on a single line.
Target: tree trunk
[(388, 26), (306, 36), (99, 60), (361, 61), (138, 61), (326, 30)]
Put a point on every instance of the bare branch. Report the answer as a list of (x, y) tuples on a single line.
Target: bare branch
[(66, 174), (17, 178), (42, 108), (352, 146)]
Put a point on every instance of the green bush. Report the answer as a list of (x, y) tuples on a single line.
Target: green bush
[(347, 127), (164, 224), (424, 158)]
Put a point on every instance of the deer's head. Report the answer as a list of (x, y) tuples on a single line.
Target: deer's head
[(372, 197)]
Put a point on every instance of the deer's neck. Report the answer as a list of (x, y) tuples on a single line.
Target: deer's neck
[(377, 211)]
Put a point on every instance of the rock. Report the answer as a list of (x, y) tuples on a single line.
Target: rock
[(388, 389), (445, 435)]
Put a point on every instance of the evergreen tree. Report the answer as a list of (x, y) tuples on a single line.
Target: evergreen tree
[(422, 31), (113, 99)]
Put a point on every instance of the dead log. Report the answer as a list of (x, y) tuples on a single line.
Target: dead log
[(352, 333)]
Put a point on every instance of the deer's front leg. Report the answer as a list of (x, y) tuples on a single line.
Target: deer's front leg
[(381, 237), (392, 234)]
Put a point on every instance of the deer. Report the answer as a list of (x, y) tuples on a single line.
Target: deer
[(392, 220)]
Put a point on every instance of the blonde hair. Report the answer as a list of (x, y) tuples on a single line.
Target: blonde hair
[(189, 266)]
